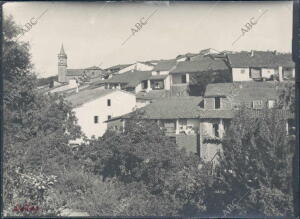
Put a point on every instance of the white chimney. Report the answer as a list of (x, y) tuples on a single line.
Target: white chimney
[(252, 53), (280, 73), (77, 86)]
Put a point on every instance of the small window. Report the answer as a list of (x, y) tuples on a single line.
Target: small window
[(108, 102), (271, 104), (291, 127), (145, 84), (158, 72), (216, 130), (96, 119), (109, 117), (257, 104), (217, 102), (183, 79), (182, 123), (242, 71)]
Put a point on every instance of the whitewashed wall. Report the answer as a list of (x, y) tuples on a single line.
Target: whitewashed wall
[(121, 103), (237, 74)]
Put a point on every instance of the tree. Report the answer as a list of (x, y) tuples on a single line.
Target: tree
[(199, 81), (255, 168), (37, 127), (144, 155)]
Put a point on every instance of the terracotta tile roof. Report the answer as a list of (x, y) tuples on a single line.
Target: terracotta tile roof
[(245, 90), (216, 114), (229, 114), (157, 77), (165, 65), (172, 108), (201, 65), (93, 68), (130, 78), (75, 72), (153, 94), (240, 93), (187, 55), (121, 66), (260, 59), (87, 95)]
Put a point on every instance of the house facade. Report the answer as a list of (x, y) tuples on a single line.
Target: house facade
[(133, 81), (261, 66), (200, 123), (93, 106), (182, 76)]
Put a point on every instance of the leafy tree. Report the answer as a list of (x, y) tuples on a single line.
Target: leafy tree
[(37, 127), (255, 168), (199, 81), (287, 98), (143, 155)]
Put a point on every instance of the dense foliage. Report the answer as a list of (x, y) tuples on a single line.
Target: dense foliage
[(255, 169), (199, 81), (136, 172), (36, 127)]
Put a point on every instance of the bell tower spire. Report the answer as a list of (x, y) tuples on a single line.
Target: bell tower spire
[(62, 65)]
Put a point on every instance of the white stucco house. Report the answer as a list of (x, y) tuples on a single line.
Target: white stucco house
[(93, 106), (261, 65)]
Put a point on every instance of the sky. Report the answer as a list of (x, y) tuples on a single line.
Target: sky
[(95, 33)]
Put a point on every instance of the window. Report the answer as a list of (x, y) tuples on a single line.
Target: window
[(108, 102), (183, 79), (144, 84), (157, 85), (255, 73), (217, 102), (158, 72), (257, 104), (108, 117), (182, 123), (242, 71), (95, 119), (291, 127), (271, 104), (216, 130)]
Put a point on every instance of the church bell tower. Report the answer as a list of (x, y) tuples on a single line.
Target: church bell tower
[(62, 65)]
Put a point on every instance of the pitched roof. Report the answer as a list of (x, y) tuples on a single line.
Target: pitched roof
[(252, 88), (245, 92), (165, 65), (75, 72), (93, 68), (62, 51), (157, 77), (260, 59), (187, 55), (172, 108), (87, 95), (204, 64), (153, 94), (131, 78), (120, 66), (229, 114)]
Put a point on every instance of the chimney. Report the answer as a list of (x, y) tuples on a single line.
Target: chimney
[(252, 53), (77, 86), (275, 52), (280, 73)]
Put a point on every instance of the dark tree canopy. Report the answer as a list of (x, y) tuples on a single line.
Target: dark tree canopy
[(256, 166)]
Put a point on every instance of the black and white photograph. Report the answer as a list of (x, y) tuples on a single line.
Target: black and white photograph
[(149, 108)]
